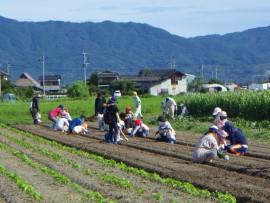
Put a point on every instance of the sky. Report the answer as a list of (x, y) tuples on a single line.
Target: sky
[(187, 18)]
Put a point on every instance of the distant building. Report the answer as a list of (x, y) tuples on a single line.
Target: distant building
[(159, 81), (256, 86), (215, 88), (105, 78), (232, 87), (25, 80), (52, 83)]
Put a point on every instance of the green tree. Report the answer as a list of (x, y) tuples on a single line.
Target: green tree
[(125, 86), (93, 80), (196, 85), (24, 92), (78, 89)]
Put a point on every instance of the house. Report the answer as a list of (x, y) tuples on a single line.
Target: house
[(105, 78), (215, 88), (52, 83), (25, 80), (232, 87), (159, 81), (257, 86)]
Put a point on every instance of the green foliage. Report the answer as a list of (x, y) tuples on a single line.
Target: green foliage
[(125, 86), (21, 183), (118, 181), (93, 80), (24, 92), (247, 105), (196, 85), (78, 90)]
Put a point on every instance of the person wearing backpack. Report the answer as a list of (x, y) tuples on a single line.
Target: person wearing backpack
[(111, 118)]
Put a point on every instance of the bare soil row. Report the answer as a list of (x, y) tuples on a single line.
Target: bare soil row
[(88, 175), (248, 183)]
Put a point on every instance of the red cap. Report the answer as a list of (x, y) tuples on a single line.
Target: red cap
[(138, 122)]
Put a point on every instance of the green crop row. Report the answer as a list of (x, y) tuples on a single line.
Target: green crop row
[(58, 177), (247, 105), (112, 179), (185, 186), (21, 183), (121, 182)]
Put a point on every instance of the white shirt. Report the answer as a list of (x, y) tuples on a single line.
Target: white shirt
[(167, 126), (60, 123), (207, 141), (170, 102), (137, 101)]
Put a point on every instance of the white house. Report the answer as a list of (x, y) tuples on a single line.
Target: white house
[(256, 86), (166, 87), (159, 81)]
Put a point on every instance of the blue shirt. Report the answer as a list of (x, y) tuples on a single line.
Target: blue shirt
[(74, 123)]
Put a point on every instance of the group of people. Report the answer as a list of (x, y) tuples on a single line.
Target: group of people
[(221, 137), (214, 142), (62, 121), (127, 124)]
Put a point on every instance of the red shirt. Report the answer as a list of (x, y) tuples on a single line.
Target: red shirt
[(56, 112)]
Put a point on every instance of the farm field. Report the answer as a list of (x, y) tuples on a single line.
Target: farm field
[(247, 178), (82, 168), (50, 172)]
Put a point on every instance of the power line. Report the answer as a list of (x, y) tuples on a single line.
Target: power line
[(85, 64), (42, 59)]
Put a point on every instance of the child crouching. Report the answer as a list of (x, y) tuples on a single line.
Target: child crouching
[(140, 129), (165, 131)]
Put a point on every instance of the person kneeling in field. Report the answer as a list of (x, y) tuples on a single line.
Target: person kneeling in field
[(140, 129), (80, 129), (61, 124), (165, 131), (238, 141), (76, 122), (208, 148)]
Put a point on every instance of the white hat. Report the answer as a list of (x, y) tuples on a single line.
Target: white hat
[(223, 114), (213, 128), (216, 111)]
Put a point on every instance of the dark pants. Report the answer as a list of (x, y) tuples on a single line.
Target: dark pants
[(34, 113), (165, 138), (113, 131)]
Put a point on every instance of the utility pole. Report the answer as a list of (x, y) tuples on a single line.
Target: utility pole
[(216, 73), (8, 68), (42, 59), (84, 65), (202, 75)]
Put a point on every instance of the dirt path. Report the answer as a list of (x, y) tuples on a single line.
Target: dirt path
[(243, 184)]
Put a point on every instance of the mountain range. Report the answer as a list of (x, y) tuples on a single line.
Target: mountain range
[(128, 48)]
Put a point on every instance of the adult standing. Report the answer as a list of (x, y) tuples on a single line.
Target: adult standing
[(169, 106), (137, 105), (100, 104), (34, 109), (111, 117)]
